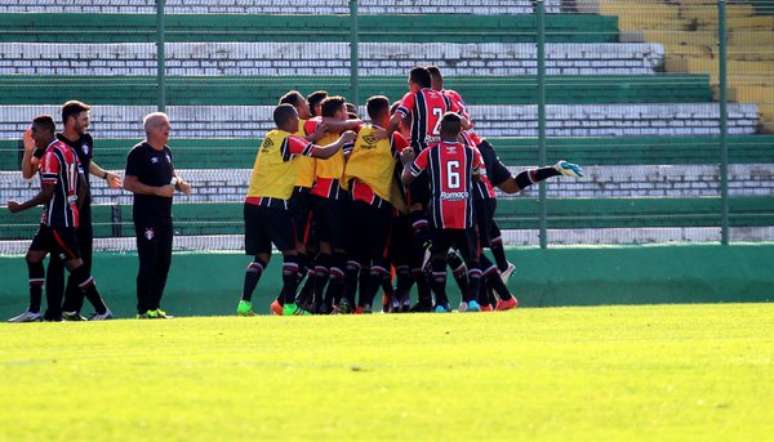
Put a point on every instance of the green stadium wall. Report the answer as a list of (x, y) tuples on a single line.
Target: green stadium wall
[(209, 284)]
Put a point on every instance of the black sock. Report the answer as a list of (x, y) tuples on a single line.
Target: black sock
[(493, 280), (321, 275), (336, 279), (496, 245), (438, 281), (252, 276), (421, 228), (289, 280), (403, 283), (474, 278), (377, 276), (306, 294), (529, 177), (459, 271), (37, 277), (483, 295), (89, 288), (351, 277), (423, 287)]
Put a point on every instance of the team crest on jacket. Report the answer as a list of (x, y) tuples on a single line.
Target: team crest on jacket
[(149, 233), (370, 141), (267, 144), (85, 149)]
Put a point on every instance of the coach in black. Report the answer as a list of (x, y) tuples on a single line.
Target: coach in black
[(150, 175)]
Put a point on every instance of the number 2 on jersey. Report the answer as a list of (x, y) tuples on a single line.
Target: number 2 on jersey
[(437, 113)]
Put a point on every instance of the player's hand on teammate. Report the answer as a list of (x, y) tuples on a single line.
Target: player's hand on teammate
[(13, 206), (320, 131), (348, 137), (407, 156)]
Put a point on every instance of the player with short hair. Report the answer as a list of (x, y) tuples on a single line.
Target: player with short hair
[(267, 216), (315, 100), (369, 177), (451, 167), (300, 202), (329, 200), (496, 171), (62, 190)]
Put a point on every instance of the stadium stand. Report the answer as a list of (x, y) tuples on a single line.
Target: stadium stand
[(649, 136), (493, 7)]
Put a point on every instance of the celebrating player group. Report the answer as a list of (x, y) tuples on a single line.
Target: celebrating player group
[(349, 204), (353, 207)]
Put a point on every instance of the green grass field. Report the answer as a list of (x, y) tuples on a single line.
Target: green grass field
[(689, 372)]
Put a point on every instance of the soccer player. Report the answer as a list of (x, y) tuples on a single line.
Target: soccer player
[(451, 167), (369, 176), (315, 102), (151, 177), (267, 216), (300, 202), (76, 119), (62, 189), (423, 108), (485, 193), (329, 205)]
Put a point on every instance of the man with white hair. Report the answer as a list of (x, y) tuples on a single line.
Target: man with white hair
[(151, 176)]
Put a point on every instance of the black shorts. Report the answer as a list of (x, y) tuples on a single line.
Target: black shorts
[(401, 249), (485, 211), (59, 241), (369, 231), (267, 225), (419, 190), (465, 241), (329, 218), (301, 210)]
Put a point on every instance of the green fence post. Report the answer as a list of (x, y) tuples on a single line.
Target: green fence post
[(353, 53), (722, 68), (541, 108), (160, 57)]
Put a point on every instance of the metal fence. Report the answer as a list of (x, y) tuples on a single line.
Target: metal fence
[(638, 91)]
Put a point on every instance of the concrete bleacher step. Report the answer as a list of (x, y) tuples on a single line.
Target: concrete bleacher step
[(239, 153), (516, 213), (107, 28), (327, 59), (478, 7), (690, 39), (596, 120), (598, 89), (619, 181)]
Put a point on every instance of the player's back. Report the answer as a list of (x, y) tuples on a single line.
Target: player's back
[(451, 166), (425, 108)]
